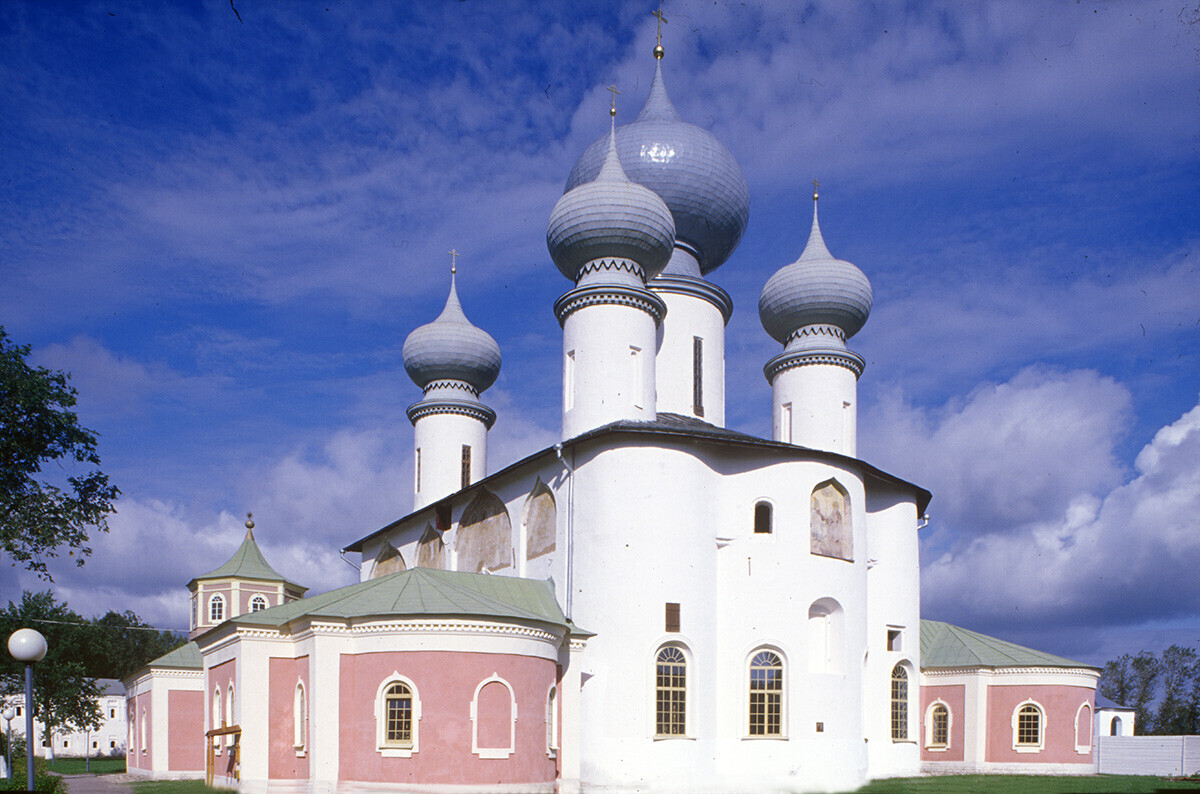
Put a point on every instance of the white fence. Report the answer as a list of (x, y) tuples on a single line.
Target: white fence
[(1149, 755)]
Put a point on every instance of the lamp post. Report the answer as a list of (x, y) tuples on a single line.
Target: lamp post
[(28, 646), (7, 714)]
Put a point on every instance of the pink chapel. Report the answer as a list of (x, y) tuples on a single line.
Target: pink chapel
[(656, 603)]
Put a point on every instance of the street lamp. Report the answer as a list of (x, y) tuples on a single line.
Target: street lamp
[(7, 714), (28, 646)]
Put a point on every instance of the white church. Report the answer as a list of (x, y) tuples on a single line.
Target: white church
[(656, 603)]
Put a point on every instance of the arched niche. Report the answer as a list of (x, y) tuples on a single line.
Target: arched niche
[(484, 540), (431, 551), (826, 627), (387, 561), (830, 521), (540, 518)]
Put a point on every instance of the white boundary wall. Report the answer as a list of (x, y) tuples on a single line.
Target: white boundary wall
[(1149, 755)]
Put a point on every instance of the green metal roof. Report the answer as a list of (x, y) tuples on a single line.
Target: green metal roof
[(186, 657), (247, 563), (943, 645), (424, 591)]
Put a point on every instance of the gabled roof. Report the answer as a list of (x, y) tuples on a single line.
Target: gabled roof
[(247, 563), (944, 645), (674, 426), (1104, 703), (185, 657), (423, 591)]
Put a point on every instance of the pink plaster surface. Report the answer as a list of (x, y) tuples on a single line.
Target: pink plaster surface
[(955, 699), (133, 755), (185, 731), (1059, 705), (445, 684), (282, 761), (222, 675)]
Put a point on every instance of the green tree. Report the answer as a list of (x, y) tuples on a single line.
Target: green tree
[(121, 643), (64, 695), (1178, 670), (39, 519), (1145, 669), (1116, 681)]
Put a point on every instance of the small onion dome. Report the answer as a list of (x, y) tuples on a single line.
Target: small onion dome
[(610, 217), (450, 348), (689, 168), (816, 289)]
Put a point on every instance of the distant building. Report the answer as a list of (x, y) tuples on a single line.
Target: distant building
[(1113, 719), (108, 739)]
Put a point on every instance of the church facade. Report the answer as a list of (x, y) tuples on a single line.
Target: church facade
[(657, 602)]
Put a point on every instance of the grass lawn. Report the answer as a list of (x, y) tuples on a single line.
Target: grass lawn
[(1028, 784), (172, 787), (78, 766)]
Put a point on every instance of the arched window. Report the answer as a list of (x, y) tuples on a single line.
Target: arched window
[(766, 694), (493, 719), (762, 518), (670, 692), (142, 734), (1083, 729), (216, 608), (258, 603), (937, 726), (299, 718), (552, 721), (1116, 727), (825, 648), (1027, 724), (397, 717), (230, 714), (899, 704), (217, 722)]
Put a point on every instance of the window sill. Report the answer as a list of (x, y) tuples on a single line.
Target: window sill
[(904, 741), (675, 737), (1027, 749), (301, 752), (775, 737), (396, 752), (937, 748), (493, 753)]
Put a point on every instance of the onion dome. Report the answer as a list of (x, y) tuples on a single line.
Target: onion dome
[(610, 217), (816, 289), (689, 168), (450, 348)]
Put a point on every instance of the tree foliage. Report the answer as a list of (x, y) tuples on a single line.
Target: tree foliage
[(79, 651), (1134, 682), (39, 519)]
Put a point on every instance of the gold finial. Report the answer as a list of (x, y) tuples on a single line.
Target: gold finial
[(613, 89), (658, 48), (453, 261), (816, 185), (249, 521)]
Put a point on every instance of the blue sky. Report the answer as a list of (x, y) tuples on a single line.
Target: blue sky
[(226, 229)]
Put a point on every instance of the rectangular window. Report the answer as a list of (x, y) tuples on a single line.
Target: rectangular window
[(569, 381), (442, 516), (672, 617), (785, 423), (635, 375), (893, 640), (418, 468), (466, 465), (698, 376)]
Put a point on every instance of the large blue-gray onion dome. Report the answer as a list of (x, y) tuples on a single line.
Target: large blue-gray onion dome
[(610, 217), (816, 289), (689, 168), (451, 348)]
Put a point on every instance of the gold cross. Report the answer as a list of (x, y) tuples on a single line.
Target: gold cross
[(453, 260), (816, 185), (661, 19), (613, 89)]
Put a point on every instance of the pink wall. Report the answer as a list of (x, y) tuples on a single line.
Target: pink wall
[(282, 761), (222, 675), (445, 683), (954, 698), (248, 591), (494, 721), (1059, 705), (133, 754), (185, 731)]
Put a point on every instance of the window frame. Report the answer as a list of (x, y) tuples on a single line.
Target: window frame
[(1084, 723), (214, 601), (259, 598), (780, 694), (552, 721), (300, 719), (768, 508), (898, 706), (396, 749), (494, 752), (931, 742), (1040, 743), (685, 660)]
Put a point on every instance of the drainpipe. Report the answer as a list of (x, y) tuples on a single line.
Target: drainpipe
[(570, 576)]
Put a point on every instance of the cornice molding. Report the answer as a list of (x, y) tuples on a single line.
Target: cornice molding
[(614, 294), (694, 287), (806, 358), (470, 408)]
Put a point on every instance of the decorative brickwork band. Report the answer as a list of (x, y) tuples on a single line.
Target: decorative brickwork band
[(600, 265), (598, 294), (803, 358), (473, 409), (814, 332), (696, 288), (461, 385)]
